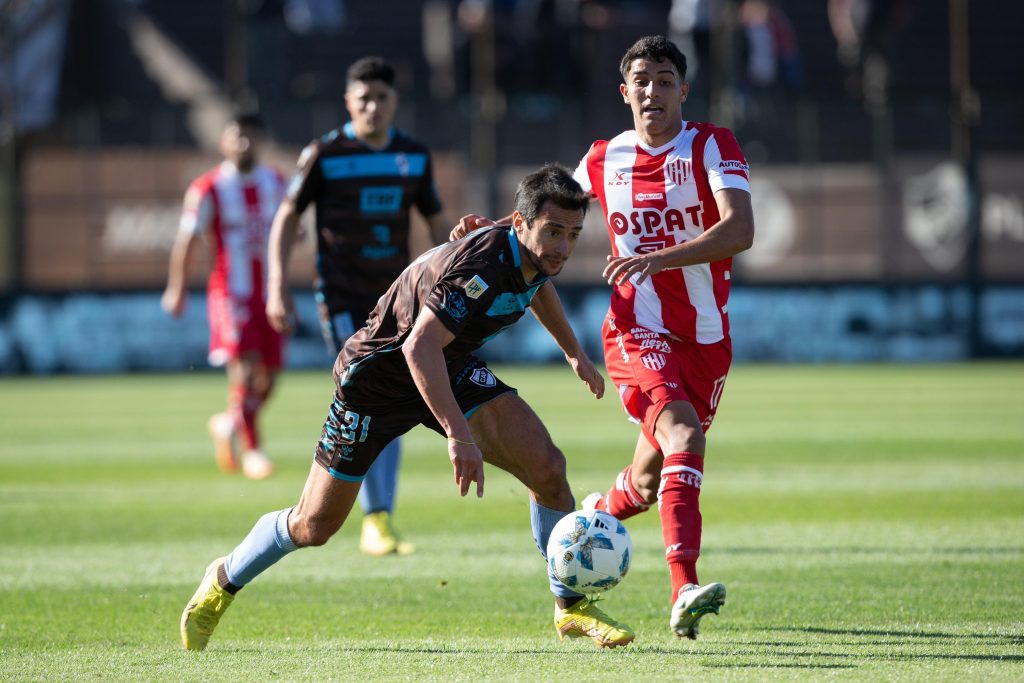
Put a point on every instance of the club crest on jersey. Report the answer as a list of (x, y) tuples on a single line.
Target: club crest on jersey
[(483, 377), (678, 171), (476, 287), (653, 361)]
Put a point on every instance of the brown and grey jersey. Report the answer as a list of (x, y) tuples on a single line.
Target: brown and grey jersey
[(476, 288), (363, 198)]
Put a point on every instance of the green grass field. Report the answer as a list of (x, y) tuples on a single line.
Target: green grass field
[(868, 521)]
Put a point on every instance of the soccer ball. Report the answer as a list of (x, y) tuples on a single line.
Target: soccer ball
[(589, 551)]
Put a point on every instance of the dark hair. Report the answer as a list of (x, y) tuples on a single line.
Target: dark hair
[(247, 117), (655, 48), (551, 183), (370, 69)]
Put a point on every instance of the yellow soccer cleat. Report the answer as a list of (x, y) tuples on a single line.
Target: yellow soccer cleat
[(204, 610), (222, 430), (585, 619), (692, 604), (379, 537)]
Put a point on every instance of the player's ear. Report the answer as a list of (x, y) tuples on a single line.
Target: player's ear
[(623, 90), (519, 222), (684, 90)]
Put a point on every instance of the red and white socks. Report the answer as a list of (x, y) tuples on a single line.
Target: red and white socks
[(245, 408), (679, 505), (622, 501)]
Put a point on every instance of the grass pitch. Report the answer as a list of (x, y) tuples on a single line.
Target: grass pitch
[(868, 521)]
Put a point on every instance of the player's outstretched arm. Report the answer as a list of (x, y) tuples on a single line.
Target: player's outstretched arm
[(283, 234), (729, 236), (423, 352), (547, 308)]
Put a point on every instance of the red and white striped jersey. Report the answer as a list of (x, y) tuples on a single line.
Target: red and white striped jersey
[(235, 210), (654, 198)]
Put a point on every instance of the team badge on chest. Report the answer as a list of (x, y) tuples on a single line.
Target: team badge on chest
[(678, 171)]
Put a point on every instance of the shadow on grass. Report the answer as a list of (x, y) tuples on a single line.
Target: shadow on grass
[(762, 665), (929, 635)]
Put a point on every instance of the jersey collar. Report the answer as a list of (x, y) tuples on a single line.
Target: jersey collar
[(228, 170), (350, 132), (655, 151)]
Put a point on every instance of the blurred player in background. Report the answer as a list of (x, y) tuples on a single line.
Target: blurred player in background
[(412, 364), (232, 206), (676, 199), (364, 178)]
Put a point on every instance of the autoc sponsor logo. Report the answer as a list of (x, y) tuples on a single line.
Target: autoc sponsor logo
[(729, 165)]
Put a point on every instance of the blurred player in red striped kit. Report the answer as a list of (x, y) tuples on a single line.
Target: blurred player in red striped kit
[(676, 200), (232, 205)]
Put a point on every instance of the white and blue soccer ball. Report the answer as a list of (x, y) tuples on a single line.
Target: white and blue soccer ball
[(589, 551)]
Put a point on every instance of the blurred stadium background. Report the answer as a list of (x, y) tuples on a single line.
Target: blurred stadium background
[(885, 139)]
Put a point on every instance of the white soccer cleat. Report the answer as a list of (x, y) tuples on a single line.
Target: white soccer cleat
[(256, 465), (594, 501), (692, 604)]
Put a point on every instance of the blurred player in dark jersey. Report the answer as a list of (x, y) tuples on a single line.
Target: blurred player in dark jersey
[(364, 178), (414, 363), (232, 206)]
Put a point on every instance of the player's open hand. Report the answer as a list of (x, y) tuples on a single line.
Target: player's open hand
[(468, 464), (621, 268), (588, 372), (468, 224), (281, 310)]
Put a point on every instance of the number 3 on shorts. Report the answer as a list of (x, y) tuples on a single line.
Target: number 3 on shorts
[(351, 424)]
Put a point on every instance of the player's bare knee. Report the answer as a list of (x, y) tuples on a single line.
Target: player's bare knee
[(682, 438)]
